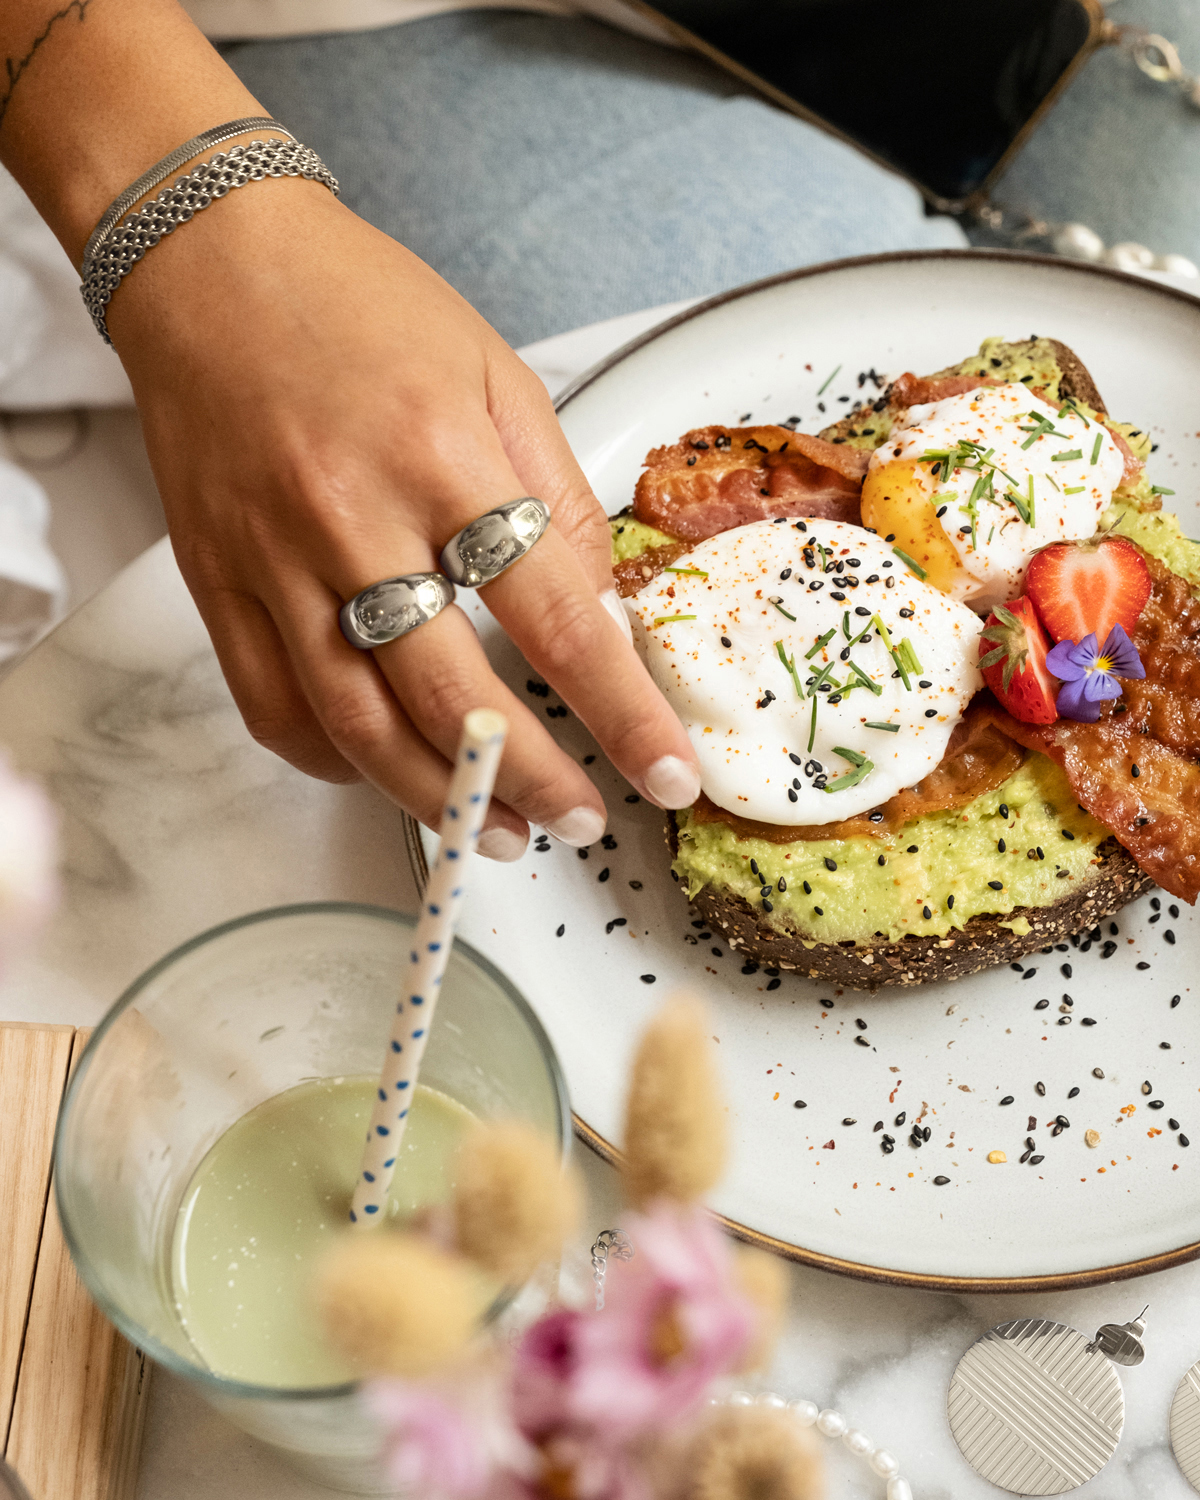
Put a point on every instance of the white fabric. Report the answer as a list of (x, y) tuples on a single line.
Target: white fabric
[(33, 590), (232, 20)]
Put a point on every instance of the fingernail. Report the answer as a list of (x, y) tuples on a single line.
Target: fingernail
[(579, 827), (612, 602), (673, 782), (502, 844)]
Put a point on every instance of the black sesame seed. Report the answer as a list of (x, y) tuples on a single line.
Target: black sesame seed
[(1065, 1020), (949, 903), (1174, 1001), (1003, 809), (931, 713), (1157, 917), (582, 853), (1173, 909), (1066, 833), (878, 1125), (807, 888), (838, 595), (603, 875), (995, 885), (635, 885), (1066, 971), (1036, 1160), (647, 978), (1071, 1093), (781, 883), (940, 1181), (1008, 1099), (1168, 936), (1135, 770), (1025, 1157), (754, 867), (862, 1041), (1040, 1088), (633, 797), (1183, 1141), (766, 906), (874, 578), (1155, 903), (793, 757), (926, 1132), (830, 864), (1087, 1021), (859, 610), (912, 849), (785, 575), (1172, 1124), (926, 913), (1002, 846), (588, 759), (1143, 965), (1155, 1104), (906, 614), (792, 797), (799, 1104), (882, 860), (1165, 1046), (1041, 1005), (716, 953), (726, 642), (1147, 1087), (1029, 973), (901, 1117), (849, 1120), (886, 1145), (818, 911), (750, 968), (774, 984)]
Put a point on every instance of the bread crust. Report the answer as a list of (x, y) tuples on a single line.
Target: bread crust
[(982, 943)]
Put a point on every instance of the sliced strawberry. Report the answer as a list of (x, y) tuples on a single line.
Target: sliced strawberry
[(1085, 588), (1012, 654)]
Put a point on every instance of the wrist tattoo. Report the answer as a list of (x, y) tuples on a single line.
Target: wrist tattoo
[(14, 68)]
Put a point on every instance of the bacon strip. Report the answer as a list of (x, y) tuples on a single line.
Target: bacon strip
[(634, 573), (978, 758), (921, 390), (716, 478), (1133, 465)]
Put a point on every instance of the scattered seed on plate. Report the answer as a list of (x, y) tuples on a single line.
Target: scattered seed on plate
[(1025, 1157), (1097, 1072), (562, 927), (862, 1041), (940, 1181), (1071, 1093), (1041, 1005), (1066, 971), (996, 1157), (1147, 1087), (1091, 1138), (1036, 1160), (1164, 1046), (1155, 1104), (1008, 1099), (647, 978), (901, 1117), (1174, 1001), (1173, 1124), (1040, 1088), (1183, 1141), (603, 875), (1032, 1123), (849, 1120), (878, 1125), (800, 1104)]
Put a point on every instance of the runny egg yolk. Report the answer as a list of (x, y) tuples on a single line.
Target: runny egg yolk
[(898, 502)]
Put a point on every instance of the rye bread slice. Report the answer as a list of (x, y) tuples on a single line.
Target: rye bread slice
[(982, 943)]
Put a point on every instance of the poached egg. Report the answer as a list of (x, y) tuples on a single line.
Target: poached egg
[(815, 673), (1022, 473)]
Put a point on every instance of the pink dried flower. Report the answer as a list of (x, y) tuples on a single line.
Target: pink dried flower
[(446, 1443), (28, 876), (675, 1319)]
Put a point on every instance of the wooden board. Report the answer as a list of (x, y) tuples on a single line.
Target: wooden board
[(80, 1401)]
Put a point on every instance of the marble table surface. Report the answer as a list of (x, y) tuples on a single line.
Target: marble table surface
[(173, 820)]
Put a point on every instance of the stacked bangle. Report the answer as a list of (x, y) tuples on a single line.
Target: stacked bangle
[(114, 248)]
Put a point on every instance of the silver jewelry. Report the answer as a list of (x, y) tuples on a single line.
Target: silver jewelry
[(392, 608), (482, 550), (163, 169), (831, 1424), (128, 242), (610, 1244), (1037, 1408)]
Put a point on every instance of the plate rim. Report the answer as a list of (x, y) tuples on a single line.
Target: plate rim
[(1059, 1281)]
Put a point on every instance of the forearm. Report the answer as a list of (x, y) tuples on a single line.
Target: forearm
[(95, 92)]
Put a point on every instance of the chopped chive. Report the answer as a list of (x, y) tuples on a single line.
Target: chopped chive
[(846, 624), (783, 611), (855, 757), (891, 728), (812, 728), (1069, 456), (670, 619), (991, 533), (828, 382), (691, 572), (912, 562), (1075, 489), (789, 665), (852, 778), (883, 632), (1096, 446), (820, 678), (864, 679), (910, 656), (1158, 489), (823, 640)]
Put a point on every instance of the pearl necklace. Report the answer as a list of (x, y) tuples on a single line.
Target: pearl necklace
[(833, 1425)]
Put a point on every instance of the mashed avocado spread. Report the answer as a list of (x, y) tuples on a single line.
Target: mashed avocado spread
[(948, 864)]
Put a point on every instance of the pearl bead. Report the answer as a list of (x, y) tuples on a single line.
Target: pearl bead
[(831, 1423), (858, 1442), (1077, 241), (741, 1398), (1129, 256), (1176, 265), (899, 1489), (769, 1398), (883, 1464), (805, 1412)]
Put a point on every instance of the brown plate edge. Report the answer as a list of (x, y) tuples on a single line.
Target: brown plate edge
[(919, 1281)]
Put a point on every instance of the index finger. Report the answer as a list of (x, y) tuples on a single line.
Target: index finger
[(549, 607)]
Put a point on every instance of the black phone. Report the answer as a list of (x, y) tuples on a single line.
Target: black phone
[(942, 91)]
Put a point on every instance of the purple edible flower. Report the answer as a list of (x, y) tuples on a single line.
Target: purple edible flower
[(1089, 674)]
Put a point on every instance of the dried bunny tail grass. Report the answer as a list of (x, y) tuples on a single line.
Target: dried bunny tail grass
[(514, 1204), (764, 1280), (675, 1139), (753, 1453), (393, 1304)]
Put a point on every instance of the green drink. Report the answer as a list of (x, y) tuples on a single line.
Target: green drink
[(264, 1204)]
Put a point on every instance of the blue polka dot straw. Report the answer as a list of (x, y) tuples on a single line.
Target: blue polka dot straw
[(466, 806)]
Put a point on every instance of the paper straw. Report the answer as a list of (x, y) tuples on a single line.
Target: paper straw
[(466, 806)]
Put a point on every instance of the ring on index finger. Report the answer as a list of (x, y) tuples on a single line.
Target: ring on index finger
[(482, 550), (393, 607)]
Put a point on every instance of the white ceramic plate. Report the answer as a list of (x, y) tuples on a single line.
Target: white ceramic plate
[(802, 1180)]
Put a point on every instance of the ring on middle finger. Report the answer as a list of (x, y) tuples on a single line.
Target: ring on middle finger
[(393, 607), (485, 547)]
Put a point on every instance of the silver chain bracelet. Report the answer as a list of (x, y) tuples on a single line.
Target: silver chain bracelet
[(117, 254)]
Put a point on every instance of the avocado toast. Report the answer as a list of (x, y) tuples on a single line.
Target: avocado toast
[(1022, 832)]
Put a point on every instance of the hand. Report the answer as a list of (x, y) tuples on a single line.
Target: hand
[(322, 411)]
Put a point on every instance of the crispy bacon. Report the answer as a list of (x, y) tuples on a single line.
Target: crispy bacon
[(1166, 705), (978, 758), (1133, 465), (921, 390), (716, 478), (635, 572)]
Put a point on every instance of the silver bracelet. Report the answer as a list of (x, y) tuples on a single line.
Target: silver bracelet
[(125, 244), (163, 169)]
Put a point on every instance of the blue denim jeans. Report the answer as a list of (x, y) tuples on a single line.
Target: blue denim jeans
[(556, 171)]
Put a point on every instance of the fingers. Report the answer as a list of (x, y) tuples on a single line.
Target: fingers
[(362, 719), (259, 675), (440, 672), (547, 605)]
